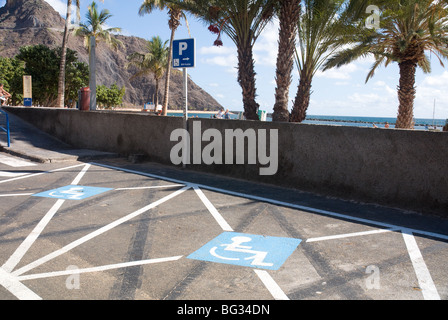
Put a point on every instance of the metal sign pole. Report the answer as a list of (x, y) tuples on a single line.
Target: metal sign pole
[(186, 140), (92, 81), (184, 57), (186, 93)]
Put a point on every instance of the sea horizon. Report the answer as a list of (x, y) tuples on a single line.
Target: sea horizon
[(355, 121)]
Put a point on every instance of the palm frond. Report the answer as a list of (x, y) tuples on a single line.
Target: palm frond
[(408, 30), (94, 25)]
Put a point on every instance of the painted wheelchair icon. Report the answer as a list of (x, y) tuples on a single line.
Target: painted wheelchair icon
[(247, 250), (73, 192), (257, 258)]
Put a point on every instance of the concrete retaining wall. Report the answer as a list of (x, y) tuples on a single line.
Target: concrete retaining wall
[(119, 132), (403, 168)]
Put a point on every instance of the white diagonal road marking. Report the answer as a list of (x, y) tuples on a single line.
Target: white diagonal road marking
[(14, 162)]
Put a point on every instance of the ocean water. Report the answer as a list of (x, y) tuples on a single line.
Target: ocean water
[(420, 124), (202, 115)]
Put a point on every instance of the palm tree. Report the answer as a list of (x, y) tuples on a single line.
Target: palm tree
[(324, 26), (94, 27), (93, 31), (153, 61), (175, 14), (408, 29), (61, 84), (289, 13), (242, 21)]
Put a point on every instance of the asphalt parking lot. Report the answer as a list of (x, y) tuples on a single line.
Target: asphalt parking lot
[(111, 229)]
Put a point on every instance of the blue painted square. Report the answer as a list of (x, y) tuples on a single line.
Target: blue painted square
[(247, 250), (27, 102), (72, 192)]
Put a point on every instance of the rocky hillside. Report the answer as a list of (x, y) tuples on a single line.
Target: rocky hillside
[(30, 22)]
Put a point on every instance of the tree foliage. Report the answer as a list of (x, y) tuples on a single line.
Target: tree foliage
[(242, 21), (11, 75), (95, 26), (323, 29), (42, 63), (175, 15), (153, 61), (110, 97), (408, 32)]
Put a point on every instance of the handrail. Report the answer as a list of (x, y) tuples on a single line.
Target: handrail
[(6, 129)]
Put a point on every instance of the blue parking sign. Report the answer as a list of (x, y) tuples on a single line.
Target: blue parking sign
[(247, 250), (184, 53), (72, 192)]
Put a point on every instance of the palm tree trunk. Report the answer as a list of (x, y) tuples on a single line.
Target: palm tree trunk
[(156, 102), (302, 100), (289, 17), (174, 23), (168, 76), (246, 79), (406, 95), (61, 83)]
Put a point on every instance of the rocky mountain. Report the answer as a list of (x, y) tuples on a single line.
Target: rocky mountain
[(31, 22)]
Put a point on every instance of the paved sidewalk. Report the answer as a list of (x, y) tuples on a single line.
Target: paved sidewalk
[(31, 143)]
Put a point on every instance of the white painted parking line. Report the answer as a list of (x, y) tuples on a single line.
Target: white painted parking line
[(211, 208), (271, 285), (13, 285), (32, 237), (81, 174), (7, 174), (428, 288), (96, 233), (154, 176), (16, 195), (41, 173), (12, 280), (278, 203), (425, 281), (151, 187), (348, 235), (14, 162), (96, 269)]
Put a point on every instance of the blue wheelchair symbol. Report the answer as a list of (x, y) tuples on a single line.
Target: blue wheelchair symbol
[(247, 250), (73, 192)]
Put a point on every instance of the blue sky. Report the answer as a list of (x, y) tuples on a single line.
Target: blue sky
[(336, 92)]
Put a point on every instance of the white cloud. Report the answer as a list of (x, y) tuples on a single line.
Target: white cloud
[(432, 87), (214, 50), (225, 56), (266, 47), (440, 80), (342, 73), (222, 61), (384, 87), (60, 6)]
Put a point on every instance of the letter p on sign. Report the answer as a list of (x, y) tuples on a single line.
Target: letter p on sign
[(182, 47)]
